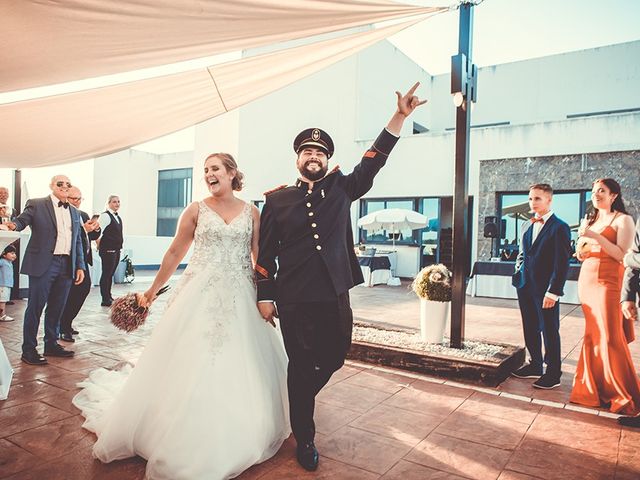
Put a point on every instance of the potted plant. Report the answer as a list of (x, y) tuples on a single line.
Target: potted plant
[(433, 286)]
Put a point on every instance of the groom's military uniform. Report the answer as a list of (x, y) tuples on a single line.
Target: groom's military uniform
[(307, 264)]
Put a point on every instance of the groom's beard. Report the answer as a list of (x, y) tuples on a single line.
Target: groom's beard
[(312, 175)]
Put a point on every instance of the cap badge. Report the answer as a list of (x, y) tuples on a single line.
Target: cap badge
[(315, 135)]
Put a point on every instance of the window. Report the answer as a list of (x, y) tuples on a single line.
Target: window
[(405, 237), (259, 204), (514, 212), (174, 194)]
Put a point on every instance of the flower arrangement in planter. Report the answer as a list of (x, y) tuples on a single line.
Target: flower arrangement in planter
[(433, 286)]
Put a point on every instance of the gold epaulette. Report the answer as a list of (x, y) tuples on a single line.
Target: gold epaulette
[(275, 189)]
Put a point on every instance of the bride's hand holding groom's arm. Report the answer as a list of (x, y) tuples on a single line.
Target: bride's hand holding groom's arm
[(174, 254)]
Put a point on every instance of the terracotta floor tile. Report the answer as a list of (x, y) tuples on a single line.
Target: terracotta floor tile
[(434, 402), (355, 398), (345, 372), (28, 415), (27, 392), (628, 466), (510, 475), (382, 381), (327, 469), (569, 429), (14, 459), (501, 407), (26, 373), (66, 380), (558, 462), (404, 470), (365, 450), (80, 465), (460, 457), (485, 429), (330, 418), (63, 401), (403, 425), (55, 439)]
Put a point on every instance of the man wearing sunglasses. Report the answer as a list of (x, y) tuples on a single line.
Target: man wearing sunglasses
[(53, 259)]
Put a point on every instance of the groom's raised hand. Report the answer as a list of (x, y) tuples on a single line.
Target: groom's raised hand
[(268, 311), (408, 102)]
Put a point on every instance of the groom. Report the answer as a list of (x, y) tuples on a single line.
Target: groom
[(307, 228), (541, 271)]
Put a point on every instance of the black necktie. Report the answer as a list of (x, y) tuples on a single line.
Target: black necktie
[(63, 204)]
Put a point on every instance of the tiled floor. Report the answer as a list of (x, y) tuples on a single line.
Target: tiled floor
[(372, 423)]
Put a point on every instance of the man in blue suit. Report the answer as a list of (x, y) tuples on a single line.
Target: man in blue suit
[(53, 259), (541, 271)]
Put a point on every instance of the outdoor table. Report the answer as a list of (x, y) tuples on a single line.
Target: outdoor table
[(375, 269), (493, 279)]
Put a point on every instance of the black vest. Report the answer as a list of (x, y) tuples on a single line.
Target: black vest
[(112, 235)]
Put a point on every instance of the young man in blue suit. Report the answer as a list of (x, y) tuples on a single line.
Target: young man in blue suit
[(541, 272), (54, 259)]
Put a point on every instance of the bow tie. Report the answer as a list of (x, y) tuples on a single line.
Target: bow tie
[(537, 219), (63, 204)]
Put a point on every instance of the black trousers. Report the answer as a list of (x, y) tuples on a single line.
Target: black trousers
[(317, 337), (75, 300), (110, 259), (537, 322)]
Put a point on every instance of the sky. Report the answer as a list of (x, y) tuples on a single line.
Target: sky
[(504, 31)]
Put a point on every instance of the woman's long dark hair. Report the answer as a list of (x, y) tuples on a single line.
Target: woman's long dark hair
[(616, 206)]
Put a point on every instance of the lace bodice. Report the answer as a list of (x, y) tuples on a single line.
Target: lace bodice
[(223, 246)]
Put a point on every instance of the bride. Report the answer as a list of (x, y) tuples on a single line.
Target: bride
[(207, 398)]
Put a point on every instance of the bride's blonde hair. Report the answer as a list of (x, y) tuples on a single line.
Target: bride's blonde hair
[(230, 164)]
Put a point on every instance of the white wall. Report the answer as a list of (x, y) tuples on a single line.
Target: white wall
[(549, 88), (133, 176)]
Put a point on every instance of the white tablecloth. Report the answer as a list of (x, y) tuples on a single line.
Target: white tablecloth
[(499, 286), (6, 373)]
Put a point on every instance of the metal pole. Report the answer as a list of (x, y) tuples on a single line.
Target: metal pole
[(461, 186), (17, 205)]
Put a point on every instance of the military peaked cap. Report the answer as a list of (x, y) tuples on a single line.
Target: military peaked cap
[(314, 137)]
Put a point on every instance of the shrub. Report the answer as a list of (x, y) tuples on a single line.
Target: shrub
[(433, 283)]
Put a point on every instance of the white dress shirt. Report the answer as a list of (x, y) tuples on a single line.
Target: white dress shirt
[(537, 227), (105, 219), (63, 224)]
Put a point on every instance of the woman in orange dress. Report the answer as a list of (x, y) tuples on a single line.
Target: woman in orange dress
[(605, 375)]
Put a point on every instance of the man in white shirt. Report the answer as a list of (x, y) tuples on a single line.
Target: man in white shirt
[(109, 246), (541, 271), (53, 259)]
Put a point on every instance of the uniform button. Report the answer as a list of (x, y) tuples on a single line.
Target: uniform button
[(316, 236), (308, 204), (318, 247), (311, 214), (309, 192), (314, 225)]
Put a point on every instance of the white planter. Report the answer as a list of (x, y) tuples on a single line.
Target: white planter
[(433, 320)]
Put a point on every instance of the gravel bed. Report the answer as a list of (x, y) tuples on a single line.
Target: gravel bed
[(472, 350)]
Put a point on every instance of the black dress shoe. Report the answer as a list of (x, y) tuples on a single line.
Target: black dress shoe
[(308, 456), (547, 382), (33, 358), (67, 337), (106, 304), (74, 331), (528, 371), (57, 351), (630, 421)]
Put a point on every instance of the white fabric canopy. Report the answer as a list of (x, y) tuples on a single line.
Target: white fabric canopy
[(46, 42), (85, 124)]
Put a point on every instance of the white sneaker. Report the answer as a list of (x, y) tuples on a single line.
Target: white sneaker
[(6, 318)]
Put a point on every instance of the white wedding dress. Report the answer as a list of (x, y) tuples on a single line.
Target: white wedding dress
[(208, 397)]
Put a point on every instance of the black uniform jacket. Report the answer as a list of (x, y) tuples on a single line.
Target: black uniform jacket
[(306, 241)]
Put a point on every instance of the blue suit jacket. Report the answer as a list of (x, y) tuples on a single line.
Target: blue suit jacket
[(543, 265), (39, 215)]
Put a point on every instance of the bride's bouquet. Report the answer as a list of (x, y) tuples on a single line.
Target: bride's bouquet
[(127, 314)]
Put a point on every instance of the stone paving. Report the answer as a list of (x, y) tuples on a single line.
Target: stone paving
[(372, 423)]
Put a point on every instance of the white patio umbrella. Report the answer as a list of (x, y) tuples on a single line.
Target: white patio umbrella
[(393, 219)]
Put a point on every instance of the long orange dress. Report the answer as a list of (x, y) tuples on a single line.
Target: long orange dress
[(605, 375)]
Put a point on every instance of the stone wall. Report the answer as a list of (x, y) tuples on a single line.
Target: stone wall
[(563, 172)]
